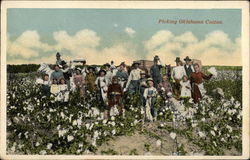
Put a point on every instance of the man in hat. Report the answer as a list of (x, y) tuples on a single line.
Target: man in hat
[(142, 86), (133, 79), (150, 95), (90, 79), (188, 66), (155, 71), (58, 59), (122, 74), (109, 73), (112, 66), (115, 93), (177, 74), (57, 74), (67, 72), (84, 69), (102, 87)]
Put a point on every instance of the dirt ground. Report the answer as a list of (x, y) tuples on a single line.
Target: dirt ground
[(145, 144)]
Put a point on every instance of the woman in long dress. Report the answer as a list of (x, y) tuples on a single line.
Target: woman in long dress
[(79, 82), (197, 78)]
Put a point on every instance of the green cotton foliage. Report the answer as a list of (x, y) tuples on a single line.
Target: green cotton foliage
[(34, 122)]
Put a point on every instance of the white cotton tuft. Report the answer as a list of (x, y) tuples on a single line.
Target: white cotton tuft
[(39, 81), (213, 71)]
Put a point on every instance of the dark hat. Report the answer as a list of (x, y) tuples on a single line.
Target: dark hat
[(156, 58), (150, 79), (177, 59), (91, 67), (63, 63), (187, 59), (122, 64), (79, 69), (106, 64), (136, 62), (102, 70), (58, 54)]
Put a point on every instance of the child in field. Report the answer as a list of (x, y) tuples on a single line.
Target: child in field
[(46, 85), (164, 87), (64, 92), (54, 89), (115, 93), (150, 95), (185, 87), (101, 87)]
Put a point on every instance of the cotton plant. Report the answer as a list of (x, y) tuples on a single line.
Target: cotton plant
[(73, 124)]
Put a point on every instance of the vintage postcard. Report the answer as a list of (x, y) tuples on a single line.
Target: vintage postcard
[(124, 80)]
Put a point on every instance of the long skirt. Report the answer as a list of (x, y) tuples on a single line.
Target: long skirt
[(115, 103), (198, 91)]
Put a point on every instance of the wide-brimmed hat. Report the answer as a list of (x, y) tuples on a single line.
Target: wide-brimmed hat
[(78, 69), (150, 79), (177, 59), (187, 59), (58, 54), (91, 67), (102, 70), (156, 58), (136, 62), (107, 64), (122, 64), (63, 63)]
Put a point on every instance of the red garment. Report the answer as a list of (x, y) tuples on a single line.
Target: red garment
[(115, 94), (195, 79)]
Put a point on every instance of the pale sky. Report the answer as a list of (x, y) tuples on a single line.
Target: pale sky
[(102, 35)]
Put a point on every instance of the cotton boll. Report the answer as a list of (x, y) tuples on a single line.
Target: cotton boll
[(201, 134), (212, 132), (70, 138), (43, 152), (49, 145), (37, 144), (173, 135), (158, 143), (213, 71)]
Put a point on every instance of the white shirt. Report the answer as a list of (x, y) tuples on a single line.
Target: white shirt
[(135, 74), (145, 95), (109, 76), (103, 81), (63, 87), (178, 72), (84, 71), (185, 92)]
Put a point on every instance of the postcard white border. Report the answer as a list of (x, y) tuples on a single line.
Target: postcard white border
[(130, 5)]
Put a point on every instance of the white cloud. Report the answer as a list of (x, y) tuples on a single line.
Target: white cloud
[(130, 31), (83, 44), (158, 39), (215, 48), (115, 25), (26, 45)]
